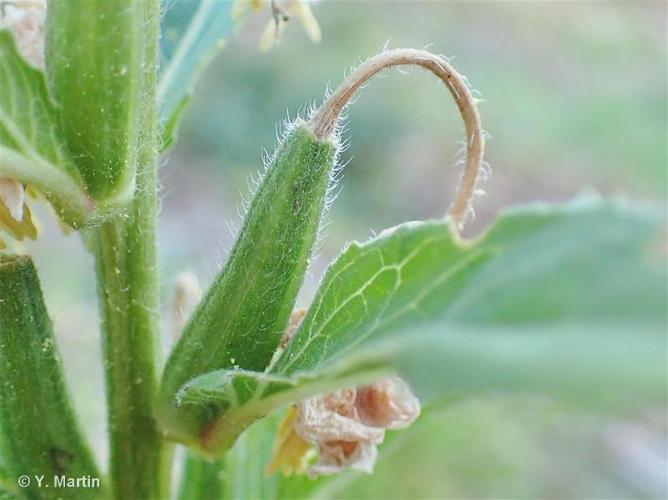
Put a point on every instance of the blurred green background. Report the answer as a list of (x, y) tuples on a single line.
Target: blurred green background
[(574, 99)]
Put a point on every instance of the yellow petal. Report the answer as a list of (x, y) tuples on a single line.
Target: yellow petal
[(302, 10), (271, 34), (291, 453), (17, 229)]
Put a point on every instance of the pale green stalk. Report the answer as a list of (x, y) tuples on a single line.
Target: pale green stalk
[(125, 255)]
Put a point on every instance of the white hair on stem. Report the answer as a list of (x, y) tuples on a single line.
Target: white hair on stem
[(324, 123)]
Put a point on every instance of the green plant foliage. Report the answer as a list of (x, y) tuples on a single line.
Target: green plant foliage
[(244, 467), (471, 317), (94, 55), (244, 313), (32, 145), (202, 478), (209, 27), (6, 487), (565, 301), (38, 432), (241, 473), (6, 495), (514, 274)]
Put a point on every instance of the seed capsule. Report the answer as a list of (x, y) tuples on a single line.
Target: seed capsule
[(240, 321)]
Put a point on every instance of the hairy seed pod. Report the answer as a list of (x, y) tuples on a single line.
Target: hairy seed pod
[(243, 315)]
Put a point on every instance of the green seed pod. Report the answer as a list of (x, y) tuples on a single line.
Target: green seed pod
[(39, 436), (240, 321), (94, 53)]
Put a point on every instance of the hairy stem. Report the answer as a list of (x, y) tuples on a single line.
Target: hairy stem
[(324, 121), (128, 290)]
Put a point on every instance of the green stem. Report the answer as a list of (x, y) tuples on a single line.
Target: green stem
[(129, 326), (125, 253)]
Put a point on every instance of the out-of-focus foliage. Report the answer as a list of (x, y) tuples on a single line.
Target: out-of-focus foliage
[(193, 33)]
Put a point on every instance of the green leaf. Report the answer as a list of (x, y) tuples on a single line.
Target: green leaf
[(32, 147), (210, 25), (39, 435), (94, 54), (245, 311), (586, 261), (415, 300), (590, 367)]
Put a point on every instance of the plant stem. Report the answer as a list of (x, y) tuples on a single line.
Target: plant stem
[(128, 290)]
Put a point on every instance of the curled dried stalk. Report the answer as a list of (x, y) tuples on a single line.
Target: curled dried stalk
[(324, 120)]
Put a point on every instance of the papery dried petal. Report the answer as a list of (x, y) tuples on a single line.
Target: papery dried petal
[(333, 417), (293, 323), (26, 19), (346, 425), (187, 294), (389, 403), (336, 456)]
